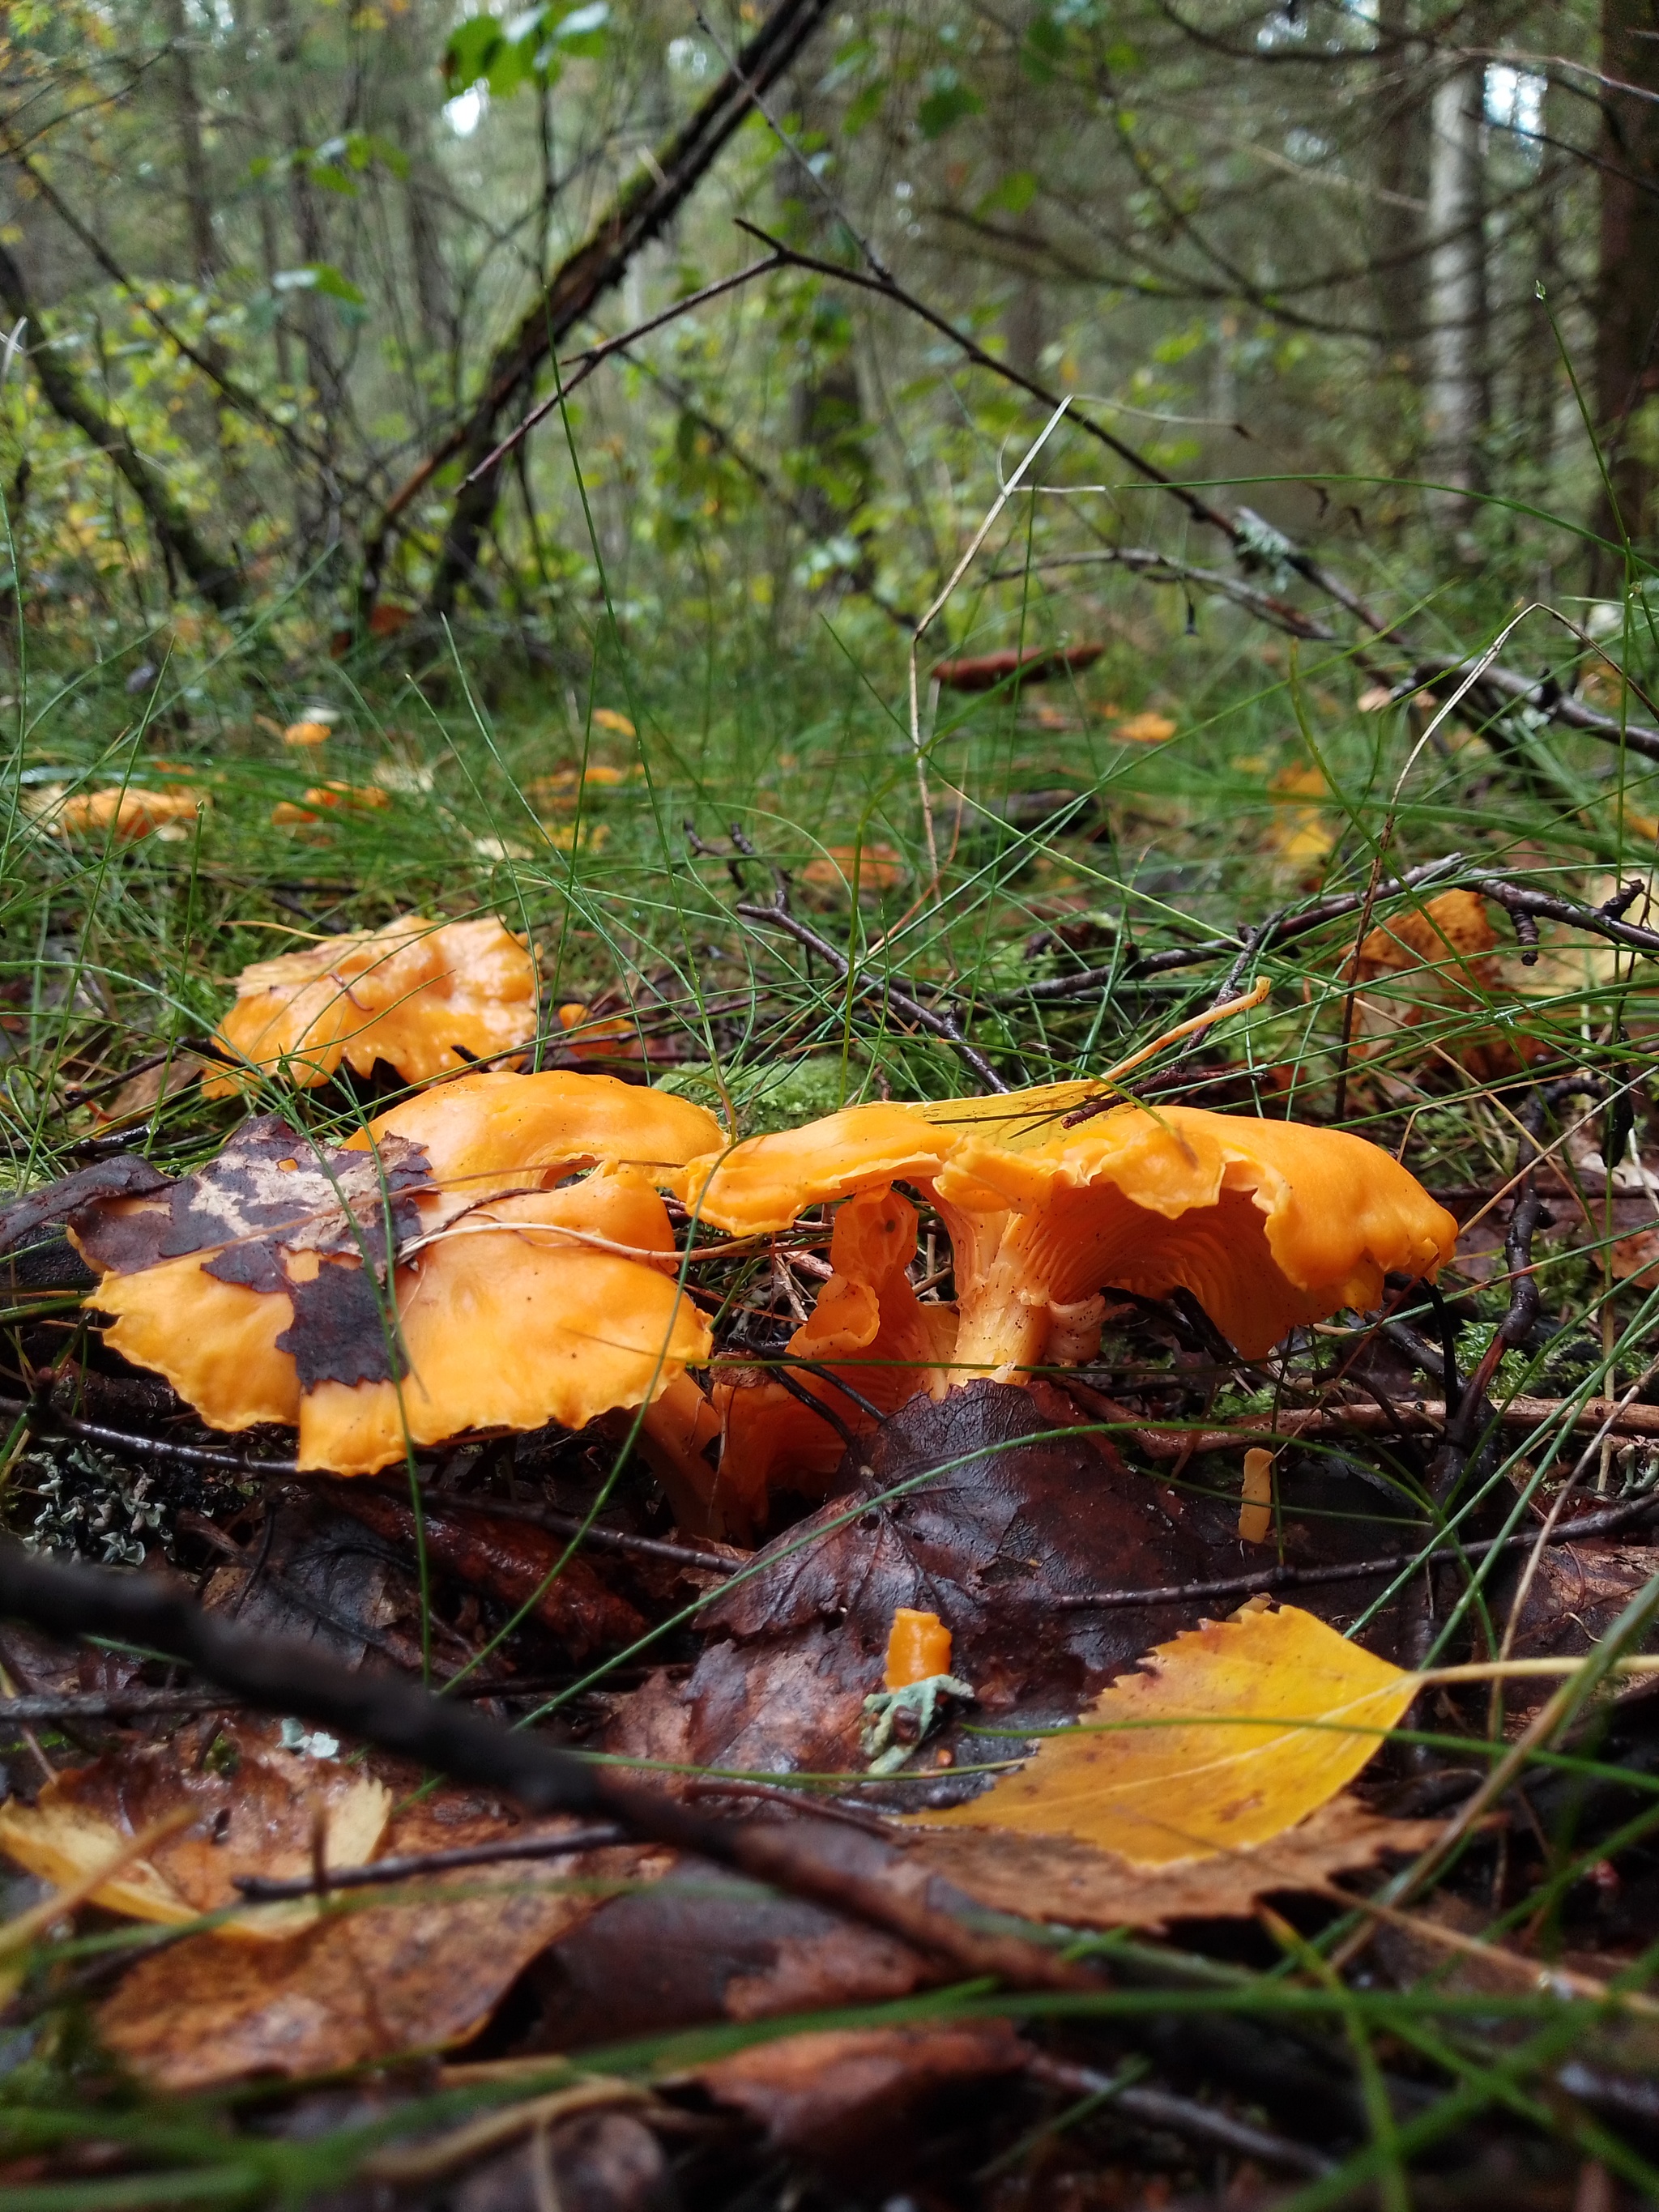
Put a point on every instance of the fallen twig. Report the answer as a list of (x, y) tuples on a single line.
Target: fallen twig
[(258, 1889), (1182, 2116), (277, 1676), (1347, 1571)]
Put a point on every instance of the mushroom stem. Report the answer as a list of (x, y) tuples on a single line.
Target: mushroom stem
[(1004, 1324)]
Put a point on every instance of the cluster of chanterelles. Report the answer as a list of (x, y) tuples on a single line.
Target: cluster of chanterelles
[(496, 1254)]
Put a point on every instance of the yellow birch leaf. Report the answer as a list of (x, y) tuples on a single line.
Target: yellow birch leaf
[(266, 1817), (1229, 1736)]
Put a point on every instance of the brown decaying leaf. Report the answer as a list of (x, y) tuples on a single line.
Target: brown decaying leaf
[(800, 1643), (1573, 1596), (409, 1972), (598, 2161), (143, 1092), (984, 672), (124, 1176), (1228, 1735), (1636, 1259), (506, 1559), (1060, 1878), (1442, 955), (271, 1195), (259, 1810), (702, 1945), (829, 2095)]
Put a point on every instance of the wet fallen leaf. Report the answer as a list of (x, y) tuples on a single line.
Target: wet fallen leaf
[(577, 2159), (1016, 1515), (280, 1213), (700, 1945), (1636, 1259), (408, 1971), (984, 672), (143, 1092), (506, 1559), (1058, 1877), (258, 1809), (125, 1175), (1437, 961), (1228, 1735), (834, 2094), (1573, 1596), (320, 1583)]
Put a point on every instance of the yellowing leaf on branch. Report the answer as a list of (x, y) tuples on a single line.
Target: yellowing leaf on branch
[(1230, 1734)]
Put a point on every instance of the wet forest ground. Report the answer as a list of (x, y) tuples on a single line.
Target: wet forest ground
[(1437, 1996)]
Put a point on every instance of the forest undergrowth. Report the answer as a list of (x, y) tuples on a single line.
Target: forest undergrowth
[(718, 847)]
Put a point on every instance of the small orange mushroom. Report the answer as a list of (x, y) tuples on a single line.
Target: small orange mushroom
[(868, 1329), (874, 868), (332, 797), (427, 998), (598, 1037), (260, 1288), (918, 1647)]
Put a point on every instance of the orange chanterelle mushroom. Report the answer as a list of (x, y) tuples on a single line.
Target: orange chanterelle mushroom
[(491, 1256), (1268, 1225), (426, 997)]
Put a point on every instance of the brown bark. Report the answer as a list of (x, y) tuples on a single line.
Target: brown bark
[(172, 528), (321, 366), (638, 214), (1627, 301), (1455, 394), (1400, 177), (193, 155)]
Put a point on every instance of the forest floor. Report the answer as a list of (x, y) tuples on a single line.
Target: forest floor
[(1433, 1988)]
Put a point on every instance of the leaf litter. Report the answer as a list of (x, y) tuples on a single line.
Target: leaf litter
[(1109, 1764)]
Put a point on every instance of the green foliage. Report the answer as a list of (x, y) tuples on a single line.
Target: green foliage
[(947, 101), (530, 48)]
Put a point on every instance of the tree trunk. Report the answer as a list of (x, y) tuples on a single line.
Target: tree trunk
[(1400, 170), (1455, 385), (321, 366), (637, 215), (830, 462), (407, 119), (192, 155), (172, 528), (1627, 299)]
